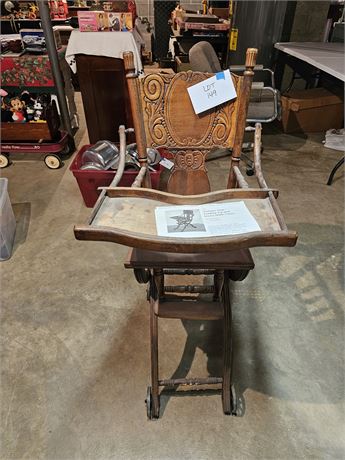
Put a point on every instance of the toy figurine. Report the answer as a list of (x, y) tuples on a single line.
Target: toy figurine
[(204, 6), (6, 114), (18, 108), (29, 102), (33, 11), (38, 110)]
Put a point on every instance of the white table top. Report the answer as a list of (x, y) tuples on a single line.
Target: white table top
[(109, 44), (328, 57)]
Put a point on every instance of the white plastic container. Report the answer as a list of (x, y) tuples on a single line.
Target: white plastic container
[(7, 222)]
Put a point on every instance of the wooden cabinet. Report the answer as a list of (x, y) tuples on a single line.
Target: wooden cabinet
[(105, 96)]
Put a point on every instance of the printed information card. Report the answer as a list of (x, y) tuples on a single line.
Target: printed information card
[(217, 219)]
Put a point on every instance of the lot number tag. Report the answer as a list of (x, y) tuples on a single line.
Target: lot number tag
[(212, 92)]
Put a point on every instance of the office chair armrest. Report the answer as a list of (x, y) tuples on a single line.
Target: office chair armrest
[(257, 68), (242, 68), (276, 107)]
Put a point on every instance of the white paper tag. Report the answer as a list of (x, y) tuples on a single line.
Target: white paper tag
[(212, 92), (166, 163)]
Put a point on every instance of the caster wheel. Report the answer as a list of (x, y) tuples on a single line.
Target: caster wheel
[(250, 172), (142, 275), (238, 275), (233, 401), (151, 413), (52, 161), (148, 402), (4, 160)]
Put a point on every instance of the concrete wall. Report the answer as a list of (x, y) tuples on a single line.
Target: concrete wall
[(310, 21), (308, 26)]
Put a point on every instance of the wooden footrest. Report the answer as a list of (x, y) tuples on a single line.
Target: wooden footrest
[(190, 309)]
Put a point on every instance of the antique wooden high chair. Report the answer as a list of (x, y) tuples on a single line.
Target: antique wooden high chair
[(164, 117)]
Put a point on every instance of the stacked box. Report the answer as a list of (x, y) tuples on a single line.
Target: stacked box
[(99, 21)]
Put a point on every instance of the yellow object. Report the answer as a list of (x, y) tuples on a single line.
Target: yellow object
[(231, 9), (233, 39), (204, 6)]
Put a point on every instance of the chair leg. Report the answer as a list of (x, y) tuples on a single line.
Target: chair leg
[(334, 170), (154, 355), (227, 348), (218, 285)]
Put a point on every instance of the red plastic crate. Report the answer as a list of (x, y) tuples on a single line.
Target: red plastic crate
[(89, 181)]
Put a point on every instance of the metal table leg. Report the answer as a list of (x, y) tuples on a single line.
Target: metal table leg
[(334, 170)]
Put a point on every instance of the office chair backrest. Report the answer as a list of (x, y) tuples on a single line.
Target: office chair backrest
[(203, 58), (264, 100), (163, 116)]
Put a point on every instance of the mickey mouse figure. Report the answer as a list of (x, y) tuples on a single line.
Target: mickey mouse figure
[(18, 108), (38, 110), (29, 103)]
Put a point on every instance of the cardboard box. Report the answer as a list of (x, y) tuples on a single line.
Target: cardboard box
[(311, 110), (96, 21), (92, 21), (34, 41), (120, 21)]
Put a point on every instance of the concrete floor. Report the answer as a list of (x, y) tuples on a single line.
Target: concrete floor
[(75, 331)]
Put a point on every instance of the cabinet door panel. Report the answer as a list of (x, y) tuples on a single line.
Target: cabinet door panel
[(105, 96)]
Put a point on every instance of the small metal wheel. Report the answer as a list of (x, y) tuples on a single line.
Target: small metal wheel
[(148, 402), (4, 160), (53, 161), (250, 171), (233, 399), (238, 275), (142, 275)]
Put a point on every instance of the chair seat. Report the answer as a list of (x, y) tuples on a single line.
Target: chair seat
[(262, 110), (239, 259)]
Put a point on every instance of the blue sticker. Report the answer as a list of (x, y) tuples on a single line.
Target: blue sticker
[(220, 76)]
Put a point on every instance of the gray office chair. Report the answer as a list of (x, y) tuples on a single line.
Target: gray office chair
[(264, 104)]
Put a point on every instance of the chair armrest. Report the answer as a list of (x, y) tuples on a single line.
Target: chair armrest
[(276, 107), (242, 68), (261, 179), (257, 68)]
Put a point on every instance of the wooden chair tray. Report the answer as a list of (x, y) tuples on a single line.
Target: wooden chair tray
[(127, 216)]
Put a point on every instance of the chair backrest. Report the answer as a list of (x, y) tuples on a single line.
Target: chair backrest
[(264, 100), (163, 116), (203, 58)]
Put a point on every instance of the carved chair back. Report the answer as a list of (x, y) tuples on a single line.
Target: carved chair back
[(163, 116)]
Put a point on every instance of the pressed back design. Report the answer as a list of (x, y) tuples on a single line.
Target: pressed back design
[(169, 117), (163, 116)]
